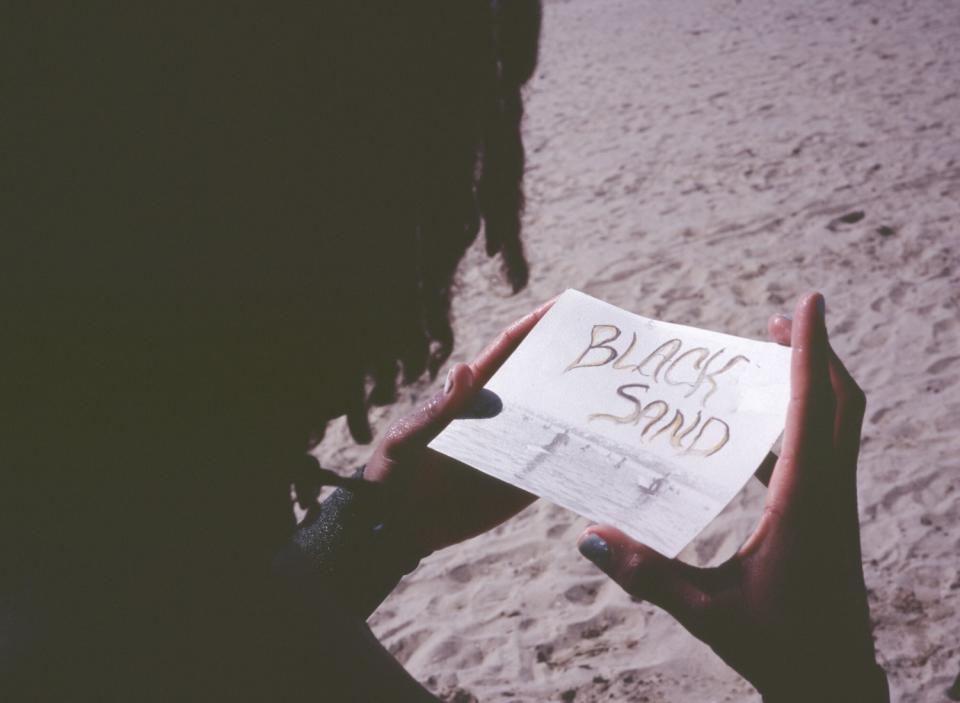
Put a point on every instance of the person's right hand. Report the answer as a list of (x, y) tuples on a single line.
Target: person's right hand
[(439, 500), (789, 611)]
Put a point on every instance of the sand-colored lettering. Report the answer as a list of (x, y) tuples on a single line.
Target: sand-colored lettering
[(665, 352), (724, 428), (679, 430), (634, 416), (622, 362), (710, 377), (703, 354), (597, 343), (654, 412)]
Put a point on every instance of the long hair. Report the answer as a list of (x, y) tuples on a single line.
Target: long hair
[(448, 145)]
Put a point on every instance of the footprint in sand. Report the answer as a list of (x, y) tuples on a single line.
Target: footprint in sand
[(942, 364), (462, 573), (851, 218), (583, 593)]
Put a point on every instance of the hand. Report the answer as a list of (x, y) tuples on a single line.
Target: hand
[(789, 611), (440, 500)]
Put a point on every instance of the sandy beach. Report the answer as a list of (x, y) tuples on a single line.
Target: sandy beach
[(706, 163)]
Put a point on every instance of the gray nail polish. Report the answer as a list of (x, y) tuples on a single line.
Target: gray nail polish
[(785, 316), (596, 550), (822, 307), (448, 384)]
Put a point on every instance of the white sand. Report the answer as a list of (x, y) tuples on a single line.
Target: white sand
[(686, 161)]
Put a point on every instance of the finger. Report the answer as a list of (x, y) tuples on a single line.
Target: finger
[(779, 327), (490, 359), (644, 573), (425, 423), (808, 434), (851, 401), (851, 404), (417, 429)]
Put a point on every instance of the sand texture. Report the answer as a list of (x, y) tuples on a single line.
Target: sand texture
[(706, 163)]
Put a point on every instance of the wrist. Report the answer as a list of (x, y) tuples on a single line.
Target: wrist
[(354, 545)]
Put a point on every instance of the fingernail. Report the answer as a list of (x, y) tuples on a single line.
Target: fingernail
[(822, 307), (596, 550), (448, 384), (785, 316)]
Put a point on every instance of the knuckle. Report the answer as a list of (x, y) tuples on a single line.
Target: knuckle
[(635, 575)]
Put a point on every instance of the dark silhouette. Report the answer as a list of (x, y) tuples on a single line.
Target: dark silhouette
[(221, 227)]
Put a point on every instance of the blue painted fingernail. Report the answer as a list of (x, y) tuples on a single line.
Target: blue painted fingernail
[(596, 550), (822, 307), (448, 384), (785, 316)]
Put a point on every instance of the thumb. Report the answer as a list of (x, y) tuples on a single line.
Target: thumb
[(645, 573), (416, 430)]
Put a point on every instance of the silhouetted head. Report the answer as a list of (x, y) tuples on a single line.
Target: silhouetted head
[(279, 195)]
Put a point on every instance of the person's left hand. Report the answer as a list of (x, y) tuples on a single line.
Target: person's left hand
[(789, 611), (442, 501)]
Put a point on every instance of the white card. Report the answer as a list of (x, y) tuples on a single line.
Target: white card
[(648, 426)]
